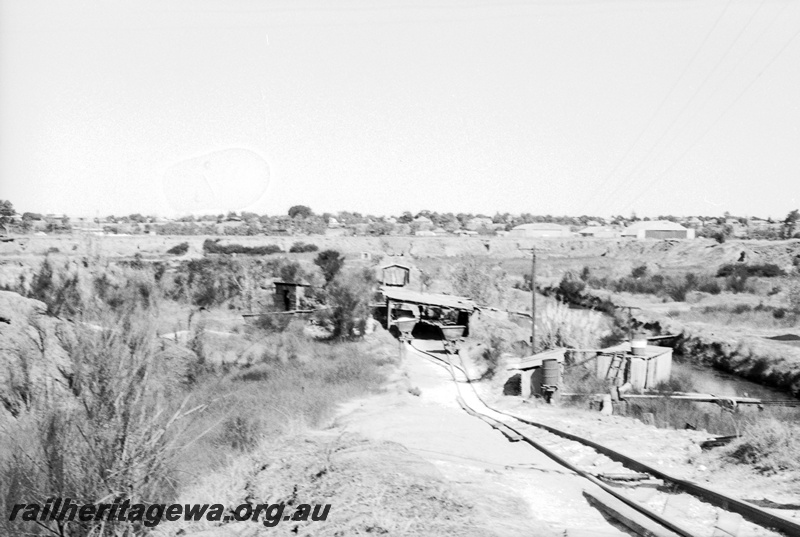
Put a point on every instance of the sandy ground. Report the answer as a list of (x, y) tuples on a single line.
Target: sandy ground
[(510, 482)]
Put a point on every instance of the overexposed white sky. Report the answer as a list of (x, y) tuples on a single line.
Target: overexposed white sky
[(545, 106)]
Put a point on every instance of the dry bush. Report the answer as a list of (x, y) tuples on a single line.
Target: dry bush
[(348, 298), (492, 336), (299, 383), (770, 445), (561, 326), (793, 296), (109, 433), (474, 278)]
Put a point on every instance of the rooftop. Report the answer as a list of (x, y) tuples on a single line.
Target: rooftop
[(428, 299)]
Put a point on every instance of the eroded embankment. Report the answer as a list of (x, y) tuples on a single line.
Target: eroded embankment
[(693, 253), (754, 358)]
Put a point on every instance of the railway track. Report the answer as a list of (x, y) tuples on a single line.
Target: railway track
[(645, 499)]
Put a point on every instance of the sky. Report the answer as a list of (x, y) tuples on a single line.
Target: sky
[(598, 107)]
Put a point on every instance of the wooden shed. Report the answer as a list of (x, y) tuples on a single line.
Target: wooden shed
[(288, 295), (395, 275), (643, 371)]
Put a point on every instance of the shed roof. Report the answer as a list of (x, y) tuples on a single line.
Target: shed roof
[(428, 299), (651, 351), (536, 360), (395, 265), (633, 229), (293, 284), (542, 225), (597, 229)]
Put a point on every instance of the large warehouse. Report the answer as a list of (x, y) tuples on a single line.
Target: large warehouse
[(657, 229), (539, 230)]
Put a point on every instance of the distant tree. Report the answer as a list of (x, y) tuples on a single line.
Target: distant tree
[(380, 227), (31, 216), (790, 224), (300, 211), (291, 272), (137, 218), (405, 218), (330, 262), (7, 212)]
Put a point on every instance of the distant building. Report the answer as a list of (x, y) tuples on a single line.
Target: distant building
[(539, 230), (423, 223), (599, 232), (657, 229)]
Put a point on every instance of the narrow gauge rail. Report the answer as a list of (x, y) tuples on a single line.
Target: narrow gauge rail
[(672, 506)]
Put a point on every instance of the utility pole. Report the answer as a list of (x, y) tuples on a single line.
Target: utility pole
[(533, 299)]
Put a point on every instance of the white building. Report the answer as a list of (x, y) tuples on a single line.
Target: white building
[(657, 229), (538, 230)]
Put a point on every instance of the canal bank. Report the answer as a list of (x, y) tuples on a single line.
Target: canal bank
[(767, 362)]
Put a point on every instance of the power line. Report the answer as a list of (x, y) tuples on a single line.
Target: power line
[(630, 178), (713, 124), (602, 184), (716, 89)]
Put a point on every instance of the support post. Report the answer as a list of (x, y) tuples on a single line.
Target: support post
[(533, 299), (526, 383)]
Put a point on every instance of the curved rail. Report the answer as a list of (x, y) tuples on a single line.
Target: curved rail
[(752, 512)]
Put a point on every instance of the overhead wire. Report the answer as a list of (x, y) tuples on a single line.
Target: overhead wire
[(630, 178), (600, 186), (708, 97), (717, 120)]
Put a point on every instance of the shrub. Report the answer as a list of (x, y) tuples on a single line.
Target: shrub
[(213, 281), (793, 296), (179, 249), (107, 434), (710, 286), (330, 262), (639, 272), (779, 313), (301, 247), (563, 327), (290, 272), (213, 247), (474, 278), (571, 287), (770, 445), (348, 297), (737, 283), (58, 289), (766, 270), (741, 308)]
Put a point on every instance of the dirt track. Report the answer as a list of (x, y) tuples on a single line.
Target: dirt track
[(516, 487)]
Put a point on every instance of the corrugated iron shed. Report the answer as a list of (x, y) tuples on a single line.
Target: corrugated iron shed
[(399, 294)]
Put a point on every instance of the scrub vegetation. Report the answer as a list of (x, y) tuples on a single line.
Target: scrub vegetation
[(95, 405)]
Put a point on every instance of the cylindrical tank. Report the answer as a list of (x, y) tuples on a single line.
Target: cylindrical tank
[(551, 372), (639, 344)]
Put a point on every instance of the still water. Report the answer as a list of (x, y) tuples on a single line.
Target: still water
[(709, 380)]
